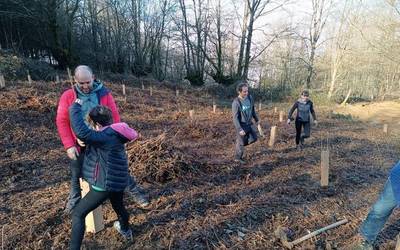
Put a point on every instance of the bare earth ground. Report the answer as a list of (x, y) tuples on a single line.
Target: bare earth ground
[(211, 203)]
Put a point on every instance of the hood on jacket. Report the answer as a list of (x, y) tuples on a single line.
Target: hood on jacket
[(123, 129)]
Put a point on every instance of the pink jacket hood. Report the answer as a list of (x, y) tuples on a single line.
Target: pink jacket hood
[(123, 129)]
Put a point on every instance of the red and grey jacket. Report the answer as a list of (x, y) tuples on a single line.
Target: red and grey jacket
[(67, 136)]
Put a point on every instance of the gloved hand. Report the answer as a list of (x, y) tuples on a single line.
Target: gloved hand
[(81, 143), (242, 133), (288, 121), (73, 153)]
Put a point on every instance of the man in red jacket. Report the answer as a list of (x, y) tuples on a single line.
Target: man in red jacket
[(92, 93)]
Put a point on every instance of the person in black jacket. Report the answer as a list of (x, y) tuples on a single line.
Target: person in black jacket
[(105, 167), (242, 113), (304, 107)]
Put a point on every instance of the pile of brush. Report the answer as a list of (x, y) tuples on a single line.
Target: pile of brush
[(156, 160)]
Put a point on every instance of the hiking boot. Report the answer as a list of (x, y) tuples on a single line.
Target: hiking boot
[(139, 197), (364, 245), (127, 234), (240, 160)]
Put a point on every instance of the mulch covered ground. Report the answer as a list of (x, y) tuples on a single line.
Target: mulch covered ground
[(201, 199)]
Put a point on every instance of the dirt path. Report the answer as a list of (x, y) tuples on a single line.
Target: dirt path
[(216, 205), (387, 112)]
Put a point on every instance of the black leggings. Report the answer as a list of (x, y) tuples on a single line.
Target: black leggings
[(91, 201), (307, 129)]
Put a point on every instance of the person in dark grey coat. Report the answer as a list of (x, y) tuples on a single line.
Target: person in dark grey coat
[(304, 107), (242, 113)]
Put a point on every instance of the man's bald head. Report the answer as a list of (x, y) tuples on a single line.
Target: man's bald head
[(84, 78)]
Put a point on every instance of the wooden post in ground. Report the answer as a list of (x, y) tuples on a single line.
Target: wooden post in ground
[(191, 115), (142, 86), (398, 242), (214, 108), (177, 92), (29, 78), (151, 90), (2, 82), (94, 220), (281, 116), (260, 130), (57, 79), (70, 77), (275, 110), (385, 128), (124, 91), (259, 106), (325, 167), (272, 136)]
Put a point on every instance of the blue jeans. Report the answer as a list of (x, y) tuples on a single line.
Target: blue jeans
[(379, 214)]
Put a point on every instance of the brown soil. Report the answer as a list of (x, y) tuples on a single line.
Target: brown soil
[(201, 199)]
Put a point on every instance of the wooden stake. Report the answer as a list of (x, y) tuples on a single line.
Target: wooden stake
[(57, 79), (259, 106), (94, 220), (275, 110), (272, 136), (142, 86), (260, 130), (324, 167), (70, 77), (29, 78), (398, 242), (177, 92), (151, 91), (123, 90), (191, 114), (214, 108), (280, 116), (385, 128), (2, 82)]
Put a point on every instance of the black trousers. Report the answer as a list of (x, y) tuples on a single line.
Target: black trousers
[(306, 126), (87, 204)]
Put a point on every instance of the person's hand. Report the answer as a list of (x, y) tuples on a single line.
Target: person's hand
[(315, 122), (242, 133), (288, 121), (73, 153), (81, 143)]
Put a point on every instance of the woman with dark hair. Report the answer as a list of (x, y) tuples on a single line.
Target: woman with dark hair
[(243, 113), (304, 107), (105, 167)]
